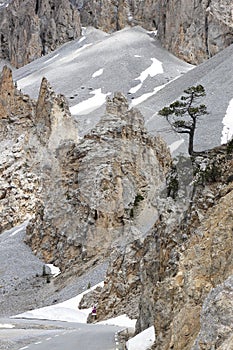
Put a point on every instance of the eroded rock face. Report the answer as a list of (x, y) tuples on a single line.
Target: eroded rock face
[(181, 272), (30, 29), (195, 31), (108, 182), (217, 319), (30, 133)]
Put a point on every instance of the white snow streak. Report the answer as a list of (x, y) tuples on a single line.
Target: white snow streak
[(155, 68), (144, 97), (227, 121), (74, 54), (90, 104), (134, 89), (6, 325), (55, 271), (97, 73), (143, 340), (52, 58), (175, 145)]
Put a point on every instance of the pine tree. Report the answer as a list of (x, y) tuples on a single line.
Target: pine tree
[(183, 114)]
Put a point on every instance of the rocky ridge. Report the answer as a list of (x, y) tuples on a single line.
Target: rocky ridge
[(81, 195)]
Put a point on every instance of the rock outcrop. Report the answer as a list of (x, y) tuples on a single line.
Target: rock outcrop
[(30, 133), (106, 191), (30, 29)]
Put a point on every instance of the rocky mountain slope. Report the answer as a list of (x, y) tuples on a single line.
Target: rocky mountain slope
[(144, 71), (192, 31), (95, 184), (30, 130), (83, 195)]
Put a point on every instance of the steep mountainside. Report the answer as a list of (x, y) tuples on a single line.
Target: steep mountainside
[(82, 196), (90, 186), (30, 29), (192, 30), (182, 271)]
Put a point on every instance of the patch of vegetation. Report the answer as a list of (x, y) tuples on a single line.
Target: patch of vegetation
[(230, 147), (131, 213), (183, 114), (210, 174), (138, 199)]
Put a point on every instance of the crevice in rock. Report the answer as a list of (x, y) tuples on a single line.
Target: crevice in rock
[(37, 7), (207, 29)]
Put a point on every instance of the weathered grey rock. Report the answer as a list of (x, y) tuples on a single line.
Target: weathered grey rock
[(105, 184), (172, 270), (195, 31), (192, 31), (217, 319), (30, 29), (30, 133)]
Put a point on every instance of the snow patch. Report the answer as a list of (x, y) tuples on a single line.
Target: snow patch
[(155, 68), (52, 58), (143, 340), (97, 73), (55, 271), (175, 145), (66, 311), (6, 325), (145, 96), (90, 104), (227, 121), (134, 89)]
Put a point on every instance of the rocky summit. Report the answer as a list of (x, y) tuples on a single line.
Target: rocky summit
[(89, 186)]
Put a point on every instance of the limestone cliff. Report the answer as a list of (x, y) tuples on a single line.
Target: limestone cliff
[(30, 29), (30, 131), (182, 270)]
